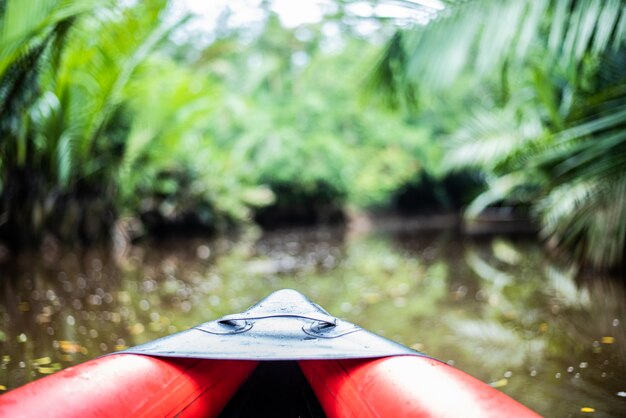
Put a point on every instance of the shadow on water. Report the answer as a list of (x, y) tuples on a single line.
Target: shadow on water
[(494, 306)]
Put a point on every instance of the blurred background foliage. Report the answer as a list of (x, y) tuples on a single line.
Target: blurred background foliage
[(545, 117), (116, 110)]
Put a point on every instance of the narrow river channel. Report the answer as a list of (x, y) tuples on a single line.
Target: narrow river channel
[(496, 307)]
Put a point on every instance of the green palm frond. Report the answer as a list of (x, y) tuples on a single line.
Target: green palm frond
[(514, 188), (588, 219), (32, 36), (585, 207), (488, 139), (19, 88), (167, 110), (26, 23), (389, 81), (484, 35), (95, 73)]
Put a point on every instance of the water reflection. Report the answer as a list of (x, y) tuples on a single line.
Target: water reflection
[(494, 307)]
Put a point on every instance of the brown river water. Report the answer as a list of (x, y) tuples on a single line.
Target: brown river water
[(495, 307)]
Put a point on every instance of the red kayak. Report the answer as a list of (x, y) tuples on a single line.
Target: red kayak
[(285, 356)]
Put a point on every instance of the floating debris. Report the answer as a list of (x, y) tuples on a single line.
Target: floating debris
[(136, 329), (621, 394), (43, 318), (42, 361), (53, 368), (68, 358), (587, 409), (499, 383), (70, 347), (123, 296), (607, 340), (417, 347)]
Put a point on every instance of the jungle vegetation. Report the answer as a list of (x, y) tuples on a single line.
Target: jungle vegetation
[(113, 109), (544, 93)]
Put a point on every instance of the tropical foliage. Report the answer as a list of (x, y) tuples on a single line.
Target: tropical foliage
[(302, 128), (108, 111), (105, 115), (63, 114), (546, 122)]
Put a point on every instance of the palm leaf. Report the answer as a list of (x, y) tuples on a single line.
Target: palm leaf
[(587, 219), (25, 23), (32, 36), (488, 139), (471, 35), (388, 81), (585, 209), (105, 67)]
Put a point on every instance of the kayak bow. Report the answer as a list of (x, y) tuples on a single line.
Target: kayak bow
[(284, 355)]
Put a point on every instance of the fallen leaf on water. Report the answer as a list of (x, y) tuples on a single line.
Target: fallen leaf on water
[(6, 358), (499, 383), (43, 319), (417, 346), (42, 361), (2, 387), (70, 347), (587, 409), (119, 347), (136, 329), (49, 370), (123, 296), (607, 340)]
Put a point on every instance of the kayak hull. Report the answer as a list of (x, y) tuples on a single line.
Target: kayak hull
[(143, 386), (131, 385), (404, 386)]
